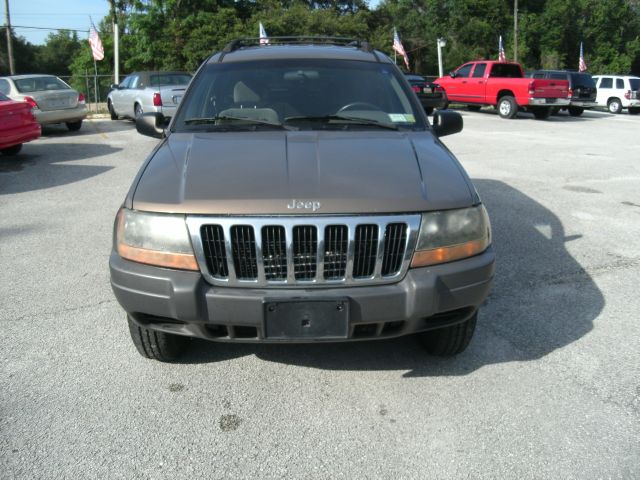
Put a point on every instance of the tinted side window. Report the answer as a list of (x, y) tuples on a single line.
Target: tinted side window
[(538, 75), (464, 70), (558, 76), (4, 86), (619, 83), (606, 82), (478, 72), (505, 70)]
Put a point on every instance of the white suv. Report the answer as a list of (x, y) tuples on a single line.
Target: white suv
[(617, 92)]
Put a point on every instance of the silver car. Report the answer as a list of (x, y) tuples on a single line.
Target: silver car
[(51, 99), (143, 92)]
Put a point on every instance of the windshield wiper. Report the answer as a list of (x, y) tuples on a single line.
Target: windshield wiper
[(215, 121), (344, 118)]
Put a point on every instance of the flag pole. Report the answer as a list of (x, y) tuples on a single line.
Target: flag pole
[(95, 83)]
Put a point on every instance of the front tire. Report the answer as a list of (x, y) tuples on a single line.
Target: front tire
[(10, 151), (137, 110), (112, 112), (449, 341), (614, 105), (507, 107), (74, 126), (576, 111), (634, 110), (160, 346)]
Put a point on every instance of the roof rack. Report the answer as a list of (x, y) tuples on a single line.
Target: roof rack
[(238, 43)]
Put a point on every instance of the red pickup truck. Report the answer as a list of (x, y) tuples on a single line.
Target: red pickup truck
[(502, 84)]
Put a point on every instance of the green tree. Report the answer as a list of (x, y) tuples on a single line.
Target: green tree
[(58, 52)]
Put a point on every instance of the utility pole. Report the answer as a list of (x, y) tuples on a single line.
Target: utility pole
[(515, 31), (7, 21), (441, 43), (116, 42)]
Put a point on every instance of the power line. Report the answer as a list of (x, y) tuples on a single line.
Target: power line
[(47, 28)]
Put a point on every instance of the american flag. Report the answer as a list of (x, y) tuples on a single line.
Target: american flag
[(501, 55), (582, 65), (263, 35), (97, 50), (397, 46)]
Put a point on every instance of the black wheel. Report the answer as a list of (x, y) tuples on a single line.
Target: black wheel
[(614, 105), (74, 126), (448, 341), (575, 111), (507, 107), (160, 346), (112, 112), (428, 110), (541, 113), (555, 110), (14, 150), (137, 110), (474, 108), (634, 110)]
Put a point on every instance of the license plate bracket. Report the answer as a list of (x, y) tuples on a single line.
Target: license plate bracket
[(305, 318)]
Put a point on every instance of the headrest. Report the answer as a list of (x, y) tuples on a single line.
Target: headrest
[(243, 94)]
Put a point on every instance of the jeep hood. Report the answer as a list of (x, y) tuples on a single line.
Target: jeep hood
[(284, 173)]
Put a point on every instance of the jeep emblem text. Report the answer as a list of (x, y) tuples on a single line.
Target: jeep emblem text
[(303, 205)]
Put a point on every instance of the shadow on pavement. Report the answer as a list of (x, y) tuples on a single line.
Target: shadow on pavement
[(89, 127), (41, 165), (542, 300), (559, 117)]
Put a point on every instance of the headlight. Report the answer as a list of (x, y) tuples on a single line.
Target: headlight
[(452, 235), (154, 239)]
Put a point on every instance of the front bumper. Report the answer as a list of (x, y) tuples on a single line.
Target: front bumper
[(549, 102), (183, 303), (45, 117)]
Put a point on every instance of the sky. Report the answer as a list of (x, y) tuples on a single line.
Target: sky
[(53, 14)]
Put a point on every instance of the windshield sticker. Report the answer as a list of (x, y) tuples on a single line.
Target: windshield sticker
[(402, 118)]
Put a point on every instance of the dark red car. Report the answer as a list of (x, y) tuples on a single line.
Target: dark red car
[(17, 125)]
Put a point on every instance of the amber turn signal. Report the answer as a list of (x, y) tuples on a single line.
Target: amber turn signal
[(435, 256), (182, 261)]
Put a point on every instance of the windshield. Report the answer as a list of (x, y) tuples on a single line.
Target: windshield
[(298, 93), (169, 79), (582, 80), (634, 83), (37, 84)]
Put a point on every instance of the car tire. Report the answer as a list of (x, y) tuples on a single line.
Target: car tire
[(112, 112), (13, 150), (474, 108), (575, 111), (74, 126), (449, 341), (137, 111), (507, 107), (555, 110), (155, 345), (614, 105), (541, 113), (634, 110)]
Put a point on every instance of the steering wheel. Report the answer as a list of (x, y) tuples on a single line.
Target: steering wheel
[(356, 105)]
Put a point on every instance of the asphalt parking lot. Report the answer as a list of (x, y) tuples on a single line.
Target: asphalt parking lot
[(549, 387)]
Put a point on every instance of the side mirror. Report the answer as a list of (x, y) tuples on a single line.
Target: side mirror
[(114, 86), (453, 74), (152, 124), (446, 122)]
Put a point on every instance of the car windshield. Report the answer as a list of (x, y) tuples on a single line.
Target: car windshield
[(582, 80), (303, 94), (37, 84), (634, 83), (169, 79)]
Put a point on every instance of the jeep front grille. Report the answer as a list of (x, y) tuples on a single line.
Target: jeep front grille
[(303, 251)]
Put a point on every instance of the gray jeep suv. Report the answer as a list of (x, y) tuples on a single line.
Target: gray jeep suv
[(300, 195)]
